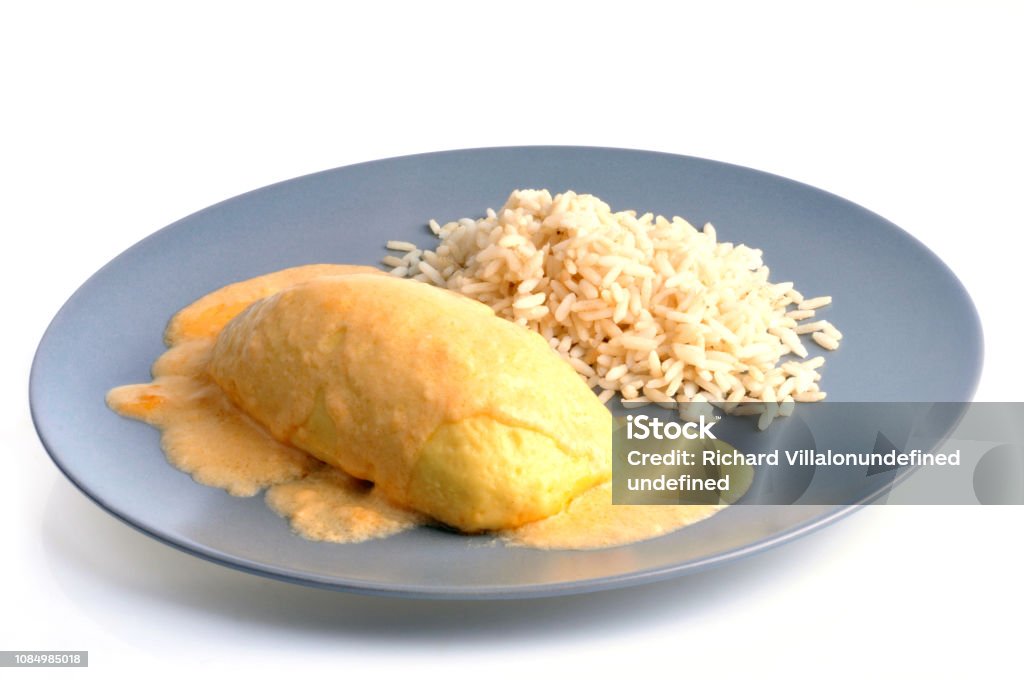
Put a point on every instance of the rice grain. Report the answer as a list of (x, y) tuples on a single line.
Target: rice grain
[(647, 307)]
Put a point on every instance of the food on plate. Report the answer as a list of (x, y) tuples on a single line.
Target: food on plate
[(366, 404), (447, 409), (647, 307), (418, 407)]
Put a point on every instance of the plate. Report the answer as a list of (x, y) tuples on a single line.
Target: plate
[(894, 300)]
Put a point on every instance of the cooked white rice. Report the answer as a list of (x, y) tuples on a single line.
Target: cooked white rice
[(646, 307)]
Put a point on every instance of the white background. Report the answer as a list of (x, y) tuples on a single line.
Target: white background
[(118, 120)]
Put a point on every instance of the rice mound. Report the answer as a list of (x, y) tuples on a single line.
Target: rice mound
[(647, 307)]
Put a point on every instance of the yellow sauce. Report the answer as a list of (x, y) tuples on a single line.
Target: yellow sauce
[(591, 521), (205, 435)]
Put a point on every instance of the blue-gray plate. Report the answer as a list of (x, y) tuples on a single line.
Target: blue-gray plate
[(895, 301)]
